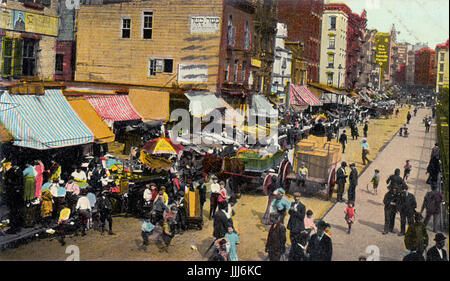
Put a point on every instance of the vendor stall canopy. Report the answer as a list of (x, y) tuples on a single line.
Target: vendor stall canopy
[(162, 145), (42, 121), (201, 103), (302, 96), (151, 105), (113, 107), (261, 107)]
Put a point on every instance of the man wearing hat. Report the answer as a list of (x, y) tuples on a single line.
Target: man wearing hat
[(341, 179), (437, 252), (296, 220), (353, 182), (390, 209), (407, 207), (104, 207), (320, 247), (343, 141), (396, 181)]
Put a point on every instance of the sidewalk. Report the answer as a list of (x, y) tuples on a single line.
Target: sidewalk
[(370, 209)]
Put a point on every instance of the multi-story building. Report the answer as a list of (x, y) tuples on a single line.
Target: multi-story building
[(281, 73), (410, 64), (401, 56), (303, 19), (203, 44), (298, 63), (368, 68), (356, 24), (333, 48), (28, 32), (424, 72), (442, 66), (265, 26)]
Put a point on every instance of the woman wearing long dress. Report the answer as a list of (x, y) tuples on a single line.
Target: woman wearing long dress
[(39, 178), (272, 186)]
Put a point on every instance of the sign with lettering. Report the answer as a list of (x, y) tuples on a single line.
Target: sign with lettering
[(6, 18), (192, 72), (382, 49), (41, 24), (204, 24), (29, 22)]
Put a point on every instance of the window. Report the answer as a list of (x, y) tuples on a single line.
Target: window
[(330, 79), (147, 24), (441, 77), (246, 36), (330, 60), (29, 57), (230, 31), (442, 57), (160, 66), (227, 69), (235, 70), (332, 22), (126, 28), (331, 42), (243, 69), (59, 63), (441, 67), (7, 51)]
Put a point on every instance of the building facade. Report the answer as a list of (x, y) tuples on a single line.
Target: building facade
[(356, 25), (333, 48), (303, 19), (410, 64), (281, 72), (368, 68), (28, 32), (442, 66), (401, 57), (424, 70)]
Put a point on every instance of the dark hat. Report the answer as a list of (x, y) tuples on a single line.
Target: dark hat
[(344, 164), (322, 224), (297, 194), (352, 165), (439, 237)]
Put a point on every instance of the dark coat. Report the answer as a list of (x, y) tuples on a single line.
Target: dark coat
[(221, 224), (395, 180), (353, 177), (414, 257), (276, 239), (343, 138), (320, 250), (432, 202), (433, 255), (296, 220), (103, 204), (407, 203), (341, 178), (390, 201)]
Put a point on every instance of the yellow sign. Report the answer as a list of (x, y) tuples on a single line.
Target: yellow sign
[(256, 62), (6, 18), (163, 145), (41, 24)]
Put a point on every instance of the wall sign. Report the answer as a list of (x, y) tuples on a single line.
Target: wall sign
[(204, 24), (192, 72)]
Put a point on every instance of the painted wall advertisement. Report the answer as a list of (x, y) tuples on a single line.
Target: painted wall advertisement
[(382, 49), (192, 72), (204, 24), (29, 22)]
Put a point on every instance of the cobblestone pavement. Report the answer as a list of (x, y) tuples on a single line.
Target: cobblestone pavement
[(126, 244)]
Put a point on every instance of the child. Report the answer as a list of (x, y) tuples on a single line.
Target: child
[(407, 170), (375, 180), (350, 212), (147, 229), (233, 239), (309, 223)]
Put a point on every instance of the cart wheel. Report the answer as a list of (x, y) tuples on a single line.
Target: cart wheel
[(281, 167), (286, 170)]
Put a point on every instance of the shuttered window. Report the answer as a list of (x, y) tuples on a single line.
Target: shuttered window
[(7, 56)]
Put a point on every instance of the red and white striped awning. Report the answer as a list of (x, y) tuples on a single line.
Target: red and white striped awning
[(301, 95), (113, 107)]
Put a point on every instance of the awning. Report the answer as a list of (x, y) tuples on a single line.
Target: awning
[(113, 107), (201, 103), (301, 95), (5, 135), (151, 105), (231, 114), (90, 117), (42, 121), (262, 107)]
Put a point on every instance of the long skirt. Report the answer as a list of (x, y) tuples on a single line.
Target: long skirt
[(266, 218), (28, 187)]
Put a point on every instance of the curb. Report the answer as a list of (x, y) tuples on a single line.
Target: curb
[(362, 171)]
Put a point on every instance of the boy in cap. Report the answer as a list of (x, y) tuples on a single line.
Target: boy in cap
[(104, 206)]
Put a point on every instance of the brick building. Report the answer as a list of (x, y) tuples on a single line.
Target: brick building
[(424, 72), (28, 31), (356, 25), (303, 18)]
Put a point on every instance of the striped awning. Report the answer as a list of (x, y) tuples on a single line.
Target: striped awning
[(42, 121), (113, 107), (301, 95), (86, 112)]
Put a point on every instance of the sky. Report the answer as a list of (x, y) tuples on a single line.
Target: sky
[(424, 21)]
